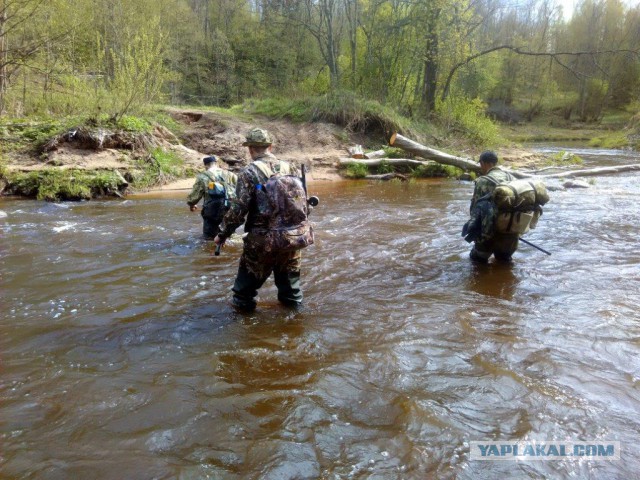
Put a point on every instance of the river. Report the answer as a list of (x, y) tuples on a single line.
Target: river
[(121, 357)]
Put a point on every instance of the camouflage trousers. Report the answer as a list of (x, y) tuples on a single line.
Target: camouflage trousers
[(256, 265), (502, 246)]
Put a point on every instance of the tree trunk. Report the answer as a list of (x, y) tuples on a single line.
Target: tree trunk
[(376, 162), (4, 51), (376, 154), (387, 176), (595, 171), (408, 145), (431, 63)]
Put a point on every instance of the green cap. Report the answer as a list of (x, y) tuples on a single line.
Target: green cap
[(258, 137)]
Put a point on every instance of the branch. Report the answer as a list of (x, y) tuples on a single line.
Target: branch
[(553, 55)]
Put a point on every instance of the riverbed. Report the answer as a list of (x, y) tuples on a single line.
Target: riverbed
[(122, 358)]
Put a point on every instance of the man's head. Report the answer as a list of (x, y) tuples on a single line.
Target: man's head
[(258, 140), (488, 160), (210, 160)]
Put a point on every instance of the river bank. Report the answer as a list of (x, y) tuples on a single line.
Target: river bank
[(83, 163)]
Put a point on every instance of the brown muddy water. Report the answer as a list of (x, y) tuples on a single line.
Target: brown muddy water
[(121, 358)]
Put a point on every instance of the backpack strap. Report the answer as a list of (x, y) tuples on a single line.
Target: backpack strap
[(263, 167), (491, 179), (284, 168)]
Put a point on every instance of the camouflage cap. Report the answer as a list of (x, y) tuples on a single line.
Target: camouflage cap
[(258, 137)]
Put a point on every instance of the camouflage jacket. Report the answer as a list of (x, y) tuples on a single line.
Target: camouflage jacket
[(486, 185), (244, 204), (200, 186), (482, 211)]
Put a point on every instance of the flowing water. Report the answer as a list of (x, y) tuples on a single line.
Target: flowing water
[(122, 359)]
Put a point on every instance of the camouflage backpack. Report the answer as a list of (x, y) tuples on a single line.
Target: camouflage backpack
[(284, 201), (518, 204)]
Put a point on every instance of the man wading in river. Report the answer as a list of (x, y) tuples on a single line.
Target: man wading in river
[(481, 226), (274, 203), (217, 186)]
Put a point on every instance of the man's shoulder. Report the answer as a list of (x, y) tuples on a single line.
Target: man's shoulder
[(495, 176)]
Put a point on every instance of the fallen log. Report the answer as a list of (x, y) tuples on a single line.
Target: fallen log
[(416, 148), (387, 176), (375, 154), (376, 162), (420, 150), (595, 171)]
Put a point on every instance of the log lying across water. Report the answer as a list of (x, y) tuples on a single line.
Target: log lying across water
[(387, 176), (420, 150), (416, 148), (590, 172), (396, 162)]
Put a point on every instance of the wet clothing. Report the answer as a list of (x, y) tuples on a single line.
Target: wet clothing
[(481, 226), (256, 264), (213, 210)]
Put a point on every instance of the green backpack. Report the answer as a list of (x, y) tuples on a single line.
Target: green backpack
[(518, 204)]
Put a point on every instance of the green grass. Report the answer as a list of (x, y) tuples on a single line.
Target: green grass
[(384, 167), (159, 167), (610, 140), (356, 170), (564, 158), (58, 185), (436, 170), (30, 134), (342, 108)]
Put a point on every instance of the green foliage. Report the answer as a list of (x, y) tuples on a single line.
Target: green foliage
[(385, 167), (157, 168), (133, 124), (564, 158), (610, 140), (30, 134), (356, 170), (436, 170), (394, 152), (468, 118), (342, 108), (138, 72), (57, 185)]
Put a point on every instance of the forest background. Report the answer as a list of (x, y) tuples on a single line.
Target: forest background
[(449, 62)]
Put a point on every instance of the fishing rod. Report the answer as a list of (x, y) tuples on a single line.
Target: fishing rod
[(535, 246)]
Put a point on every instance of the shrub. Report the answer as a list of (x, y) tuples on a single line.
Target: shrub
[(436, 170), (356, 170), (467, 116), (158, 167), (385, 167), (133, 124), (564, 158)]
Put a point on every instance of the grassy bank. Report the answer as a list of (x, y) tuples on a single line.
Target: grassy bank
[(31, 164), (615, 130)]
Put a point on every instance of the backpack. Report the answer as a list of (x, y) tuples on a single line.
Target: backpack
[(283, 199), (518, 204), (218, 195)]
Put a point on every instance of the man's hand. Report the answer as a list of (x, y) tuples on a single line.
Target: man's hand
[(219, 241), (193, 208)]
